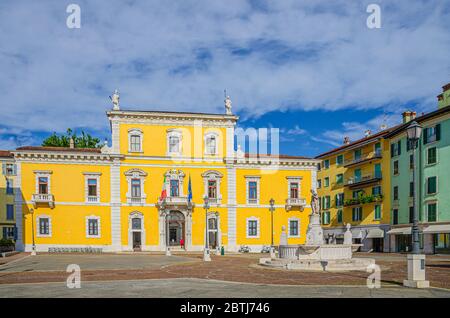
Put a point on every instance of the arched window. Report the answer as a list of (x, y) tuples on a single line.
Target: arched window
[(174, 138), (135, 140), (211, 143)]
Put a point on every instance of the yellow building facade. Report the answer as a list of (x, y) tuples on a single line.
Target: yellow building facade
[(146, 191), (7, 192), (353, 184)]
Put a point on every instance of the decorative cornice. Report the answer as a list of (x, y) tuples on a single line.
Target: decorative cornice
[(60, 156), (169, 118)]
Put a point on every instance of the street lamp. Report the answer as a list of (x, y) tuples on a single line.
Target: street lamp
[(33, 247), (414, 131), (272, 209), (166, 218), (206, 256), (416, 261)]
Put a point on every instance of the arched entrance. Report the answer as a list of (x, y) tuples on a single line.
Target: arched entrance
[(176, 227)]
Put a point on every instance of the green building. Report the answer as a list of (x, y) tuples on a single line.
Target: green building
[(432, 177)]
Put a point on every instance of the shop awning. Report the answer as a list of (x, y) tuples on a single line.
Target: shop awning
[(357, 234), (375, 233), (401, 230), (437, 228)]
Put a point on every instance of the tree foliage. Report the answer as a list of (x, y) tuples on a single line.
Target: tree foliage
[(85, 140)]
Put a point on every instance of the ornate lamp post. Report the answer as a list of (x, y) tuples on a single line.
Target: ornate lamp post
[(206, 255), (271, 209), (416, 261), (166, 218), (33, 247), (414, 131)]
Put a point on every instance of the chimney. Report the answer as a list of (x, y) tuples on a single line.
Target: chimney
[(367, 133), (72, 143), (346, 140), (444, 97), (408, 116)]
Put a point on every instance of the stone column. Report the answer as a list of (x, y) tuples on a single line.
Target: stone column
[(116, 238), (162, 229), (18, 207), (188, 220), (231, 175)]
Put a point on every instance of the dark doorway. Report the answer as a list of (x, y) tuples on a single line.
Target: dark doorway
[(137, 240), (176, 228), (378, 245), (404, 243)]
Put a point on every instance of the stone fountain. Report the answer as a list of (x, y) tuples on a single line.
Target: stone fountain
[(315, 255)]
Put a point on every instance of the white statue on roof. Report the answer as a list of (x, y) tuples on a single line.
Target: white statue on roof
[(115, 100), (228, 105)]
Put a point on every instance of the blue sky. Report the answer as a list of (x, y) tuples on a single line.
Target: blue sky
[(310, 68)]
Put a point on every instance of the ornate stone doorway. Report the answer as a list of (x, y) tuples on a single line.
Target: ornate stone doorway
[(136, 231), (176, 226)]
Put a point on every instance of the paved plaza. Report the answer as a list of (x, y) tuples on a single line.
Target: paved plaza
[(186, 275), (195, 288)]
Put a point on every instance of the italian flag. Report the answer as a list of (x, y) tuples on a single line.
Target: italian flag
[(164, 191)]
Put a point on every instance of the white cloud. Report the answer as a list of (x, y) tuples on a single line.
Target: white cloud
[(356, 130), (181, 55)]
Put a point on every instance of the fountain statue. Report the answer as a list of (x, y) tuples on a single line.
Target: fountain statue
[(315, 254)]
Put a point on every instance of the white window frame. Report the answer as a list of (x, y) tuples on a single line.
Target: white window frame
[(289, 227), (87, 176), (93, 217), (258, 227), (174, 133), (43, 173), (216, 176), (437, 156), (175, 174), (357, 207), (209, 135), (294, 180), (329, 217), (136, 174), (38, 226), (5, 169), (135, 132), (256, 179)]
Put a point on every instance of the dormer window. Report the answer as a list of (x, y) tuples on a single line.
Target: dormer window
[(174, 142), (211, 143), (135, 140)]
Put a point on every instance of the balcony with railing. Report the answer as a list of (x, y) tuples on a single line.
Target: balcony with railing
[(177, 201), (364, 199), (43, 198), (92, 199), (357, 181), (295, 202), (377, 154)]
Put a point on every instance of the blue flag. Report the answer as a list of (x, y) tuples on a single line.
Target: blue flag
[(189, 190)]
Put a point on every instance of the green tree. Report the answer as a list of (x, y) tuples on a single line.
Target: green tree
[(85, 140)]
